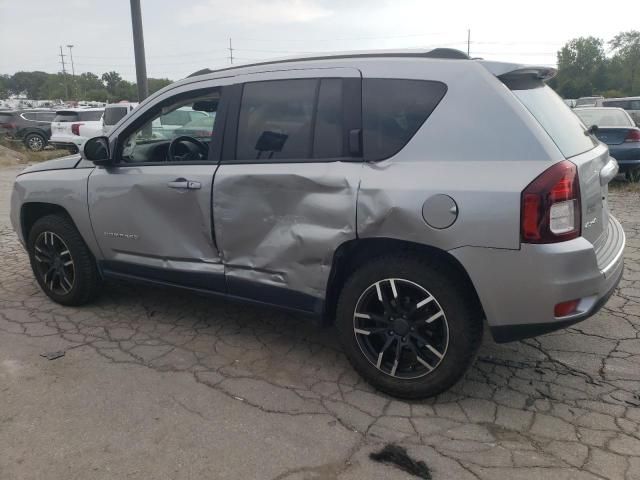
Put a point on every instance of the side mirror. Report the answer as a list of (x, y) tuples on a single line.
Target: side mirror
[(96, 149)]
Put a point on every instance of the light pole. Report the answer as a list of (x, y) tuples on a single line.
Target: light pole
[(138, 48), (73, 69)]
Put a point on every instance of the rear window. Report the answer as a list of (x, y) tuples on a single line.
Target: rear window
[(113, 115), (558, 120), (66, 117), (604, 117), (91, 116), (393, 111)]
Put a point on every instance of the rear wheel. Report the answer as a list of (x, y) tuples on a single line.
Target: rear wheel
[(407, 326), (35, 142), (61, 262)]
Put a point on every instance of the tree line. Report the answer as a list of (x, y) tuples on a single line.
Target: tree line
[(590, 66), (110, 86)]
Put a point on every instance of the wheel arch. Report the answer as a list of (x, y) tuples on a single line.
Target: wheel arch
[(354, 253), (30, 212)]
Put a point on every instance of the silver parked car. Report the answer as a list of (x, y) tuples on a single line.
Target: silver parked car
[(405, 196)]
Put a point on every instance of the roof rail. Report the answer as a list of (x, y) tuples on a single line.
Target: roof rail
[(446, 53)]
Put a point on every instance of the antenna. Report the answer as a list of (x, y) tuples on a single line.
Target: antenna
[(230, 52)]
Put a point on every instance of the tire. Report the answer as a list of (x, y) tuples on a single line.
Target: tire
[(35, 142), (447, 309), (52, 243)]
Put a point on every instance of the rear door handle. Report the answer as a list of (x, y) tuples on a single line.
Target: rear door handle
[(184, 184)]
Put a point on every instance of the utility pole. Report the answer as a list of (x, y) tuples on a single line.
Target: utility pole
[(468, 42), (138, 48), (230, 52), (73, 70), (64, 74)]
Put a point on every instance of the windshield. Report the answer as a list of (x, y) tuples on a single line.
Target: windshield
[(604, 117), (558, 120), (113, 115)]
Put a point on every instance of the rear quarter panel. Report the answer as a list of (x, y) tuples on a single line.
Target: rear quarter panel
[(480, 146)]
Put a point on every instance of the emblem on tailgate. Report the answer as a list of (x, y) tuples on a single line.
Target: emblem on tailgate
[(591, 223)]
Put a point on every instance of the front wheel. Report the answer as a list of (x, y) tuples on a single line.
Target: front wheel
[(407, 326), (61, 262)]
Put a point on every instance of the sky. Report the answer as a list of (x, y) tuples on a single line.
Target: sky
[(182, 36)]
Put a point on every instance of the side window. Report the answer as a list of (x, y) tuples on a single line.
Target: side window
[(392, 112), (275, 121), (29, 116), (45, 116), (192, 115), (634, 105), (91, 116)]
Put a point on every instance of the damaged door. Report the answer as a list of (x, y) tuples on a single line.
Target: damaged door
[(151, 210), (285, 193)]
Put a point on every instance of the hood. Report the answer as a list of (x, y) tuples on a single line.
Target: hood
[(62, 163)]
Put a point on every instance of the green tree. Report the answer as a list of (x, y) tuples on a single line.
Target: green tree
[(581, 67), (626, 47), (29, 83), (111, 80), (156, 84), (4, 86)]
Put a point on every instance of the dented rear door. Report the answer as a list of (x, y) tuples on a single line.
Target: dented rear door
[(284, 196)]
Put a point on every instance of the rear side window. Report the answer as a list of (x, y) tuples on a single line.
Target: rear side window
[(91, 116), (275, 120), (616, 103), (392, 112), (30, 116), (114, 114), (45, 116), (66, 117), (564, 128)]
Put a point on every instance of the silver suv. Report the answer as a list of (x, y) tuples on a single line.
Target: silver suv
[(404, 196)]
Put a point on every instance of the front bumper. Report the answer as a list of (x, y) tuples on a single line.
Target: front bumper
[(518, 289)]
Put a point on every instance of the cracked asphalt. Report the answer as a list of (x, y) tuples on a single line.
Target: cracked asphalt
[(164, 384)]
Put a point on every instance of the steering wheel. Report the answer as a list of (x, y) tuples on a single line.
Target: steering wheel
[(200, 153)]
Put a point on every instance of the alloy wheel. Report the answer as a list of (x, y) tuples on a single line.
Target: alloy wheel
[(401, 328), (54, 263), (35, 143)]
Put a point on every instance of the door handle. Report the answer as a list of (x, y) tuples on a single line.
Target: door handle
[(184, 184)]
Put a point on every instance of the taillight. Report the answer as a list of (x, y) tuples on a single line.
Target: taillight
[(566, 308), (550, 208), (75, 128), (633, 136), (10, 126)]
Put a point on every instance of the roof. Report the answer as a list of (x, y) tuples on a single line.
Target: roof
[(442, 53)]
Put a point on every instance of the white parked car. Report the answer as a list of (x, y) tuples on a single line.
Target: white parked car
[(113, 113), (74, 126)]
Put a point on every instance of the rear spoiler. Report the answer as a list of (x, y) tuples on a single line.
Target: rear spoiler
[(506, 71)]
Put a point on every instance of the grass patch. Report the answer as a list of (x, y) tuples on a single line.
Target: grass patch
[(15, 153), (622, 186)]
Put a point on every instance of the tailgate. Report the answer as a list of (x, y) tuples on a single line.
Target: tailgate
[(60, 128)]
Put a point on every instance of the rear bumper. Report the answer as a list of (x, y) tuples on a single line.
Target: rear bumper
[(64, 141), (519, 289)]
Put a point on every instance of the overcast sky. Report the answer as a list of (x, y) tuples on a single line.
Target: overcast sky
[(182, 36)]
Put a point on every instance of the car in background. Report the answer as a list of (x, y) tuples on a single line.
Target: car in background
[(113, 113), (72, 127), (618, 130), (31, 127), (630, 104), (570, 102), (164, 125), (589, 102), (200, 127)]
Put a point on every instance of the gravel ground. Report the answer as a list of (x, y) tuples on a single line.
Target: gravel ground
[(159, 383)]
